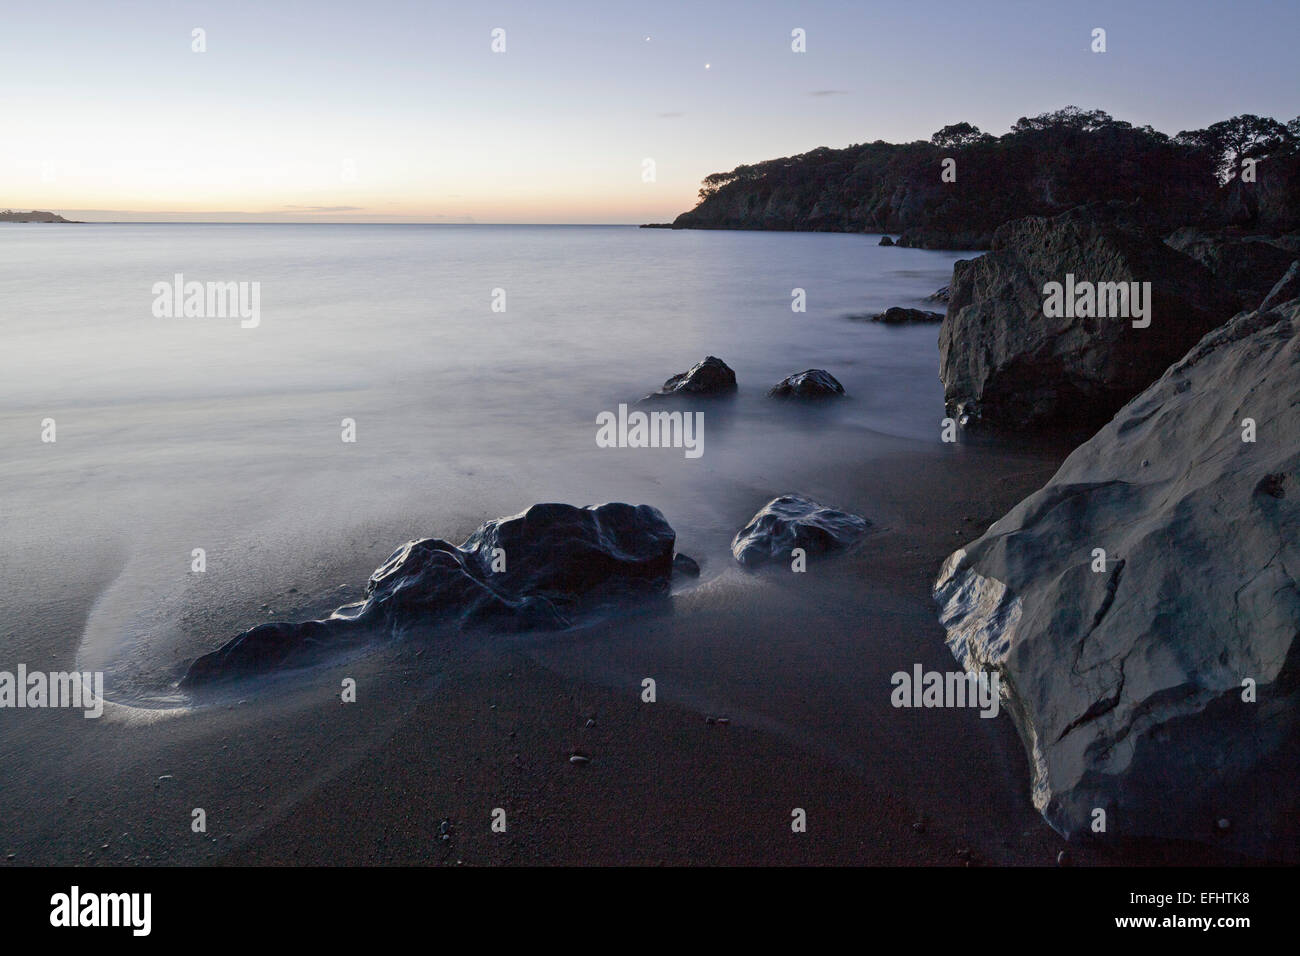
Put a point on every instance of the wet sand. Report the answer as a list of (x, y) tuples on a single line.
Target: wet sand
[(447, 729)]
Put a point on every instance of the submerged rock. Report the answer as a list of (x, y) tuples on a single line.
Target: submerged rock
[(534, 570), (814, 383), (886, 241), (710, 377), (794, 521), (1005, 363), (1143, 607), (896, 315)]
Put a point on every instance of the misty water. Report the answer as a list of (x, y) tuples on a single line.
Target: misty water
[(182, 433)]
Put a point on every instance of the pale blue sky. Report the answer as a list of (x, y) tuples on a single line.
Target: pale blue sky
[(397, 110)]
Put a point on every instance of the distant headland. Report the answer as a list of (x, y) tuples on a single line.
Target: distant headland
[(36, 215), (954, 191)]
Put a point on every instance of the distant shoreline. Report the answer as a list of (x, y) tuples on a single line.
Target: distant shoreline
[(35, 215)]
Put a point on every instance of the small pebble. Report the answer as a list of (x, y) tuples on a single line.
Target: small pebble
[(724, 720), (579, 758), (1223, 823), (1063, 858), (710, 720)]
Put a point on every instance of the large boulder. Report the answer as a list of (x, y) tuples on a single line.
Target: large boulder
[(712, 377), (1247, 266), (1005, 363), (795, 521), (1142, 608), (535, 570)]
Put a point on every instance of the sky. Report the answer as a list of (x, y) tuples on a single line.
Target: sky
[(600, 112)]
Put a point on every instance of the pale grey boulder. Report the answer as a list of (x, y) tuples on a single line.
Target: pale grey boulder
[(1127, 684)]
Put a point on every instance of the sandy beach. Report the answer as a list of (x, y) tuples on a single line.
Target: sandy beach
[(447, 730)]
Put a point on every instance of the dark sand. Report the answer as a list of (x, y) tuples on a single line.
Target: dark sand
[(448, 729)]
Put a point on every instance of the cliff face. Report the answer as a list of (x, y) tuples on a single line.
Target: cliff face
[(883, 187)]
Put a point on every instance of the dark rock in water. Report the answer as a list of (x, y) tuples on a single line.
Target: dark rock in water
[(1160, 680), (1286, 289), (554, 561), (814, 383), (793, 521), (922, 237), (1248, 267), (886, 241), (710, 377), (900, 316), (682, 564), (939, 295), (1004, 362)]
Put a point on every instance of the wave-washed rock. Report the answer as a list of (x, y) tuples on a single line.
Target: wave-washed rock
[(813, 383), (794, 521), (712, 377), (534, 570), (1143, 609)]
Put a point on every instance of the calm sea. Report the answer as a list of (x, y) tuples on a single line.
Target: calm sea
[(175, 434)]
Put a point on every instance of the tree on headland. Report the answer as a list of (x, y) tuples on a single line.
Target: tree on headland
[(1043, 165), (1067, 118), (1233, 141), (957, 135)]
